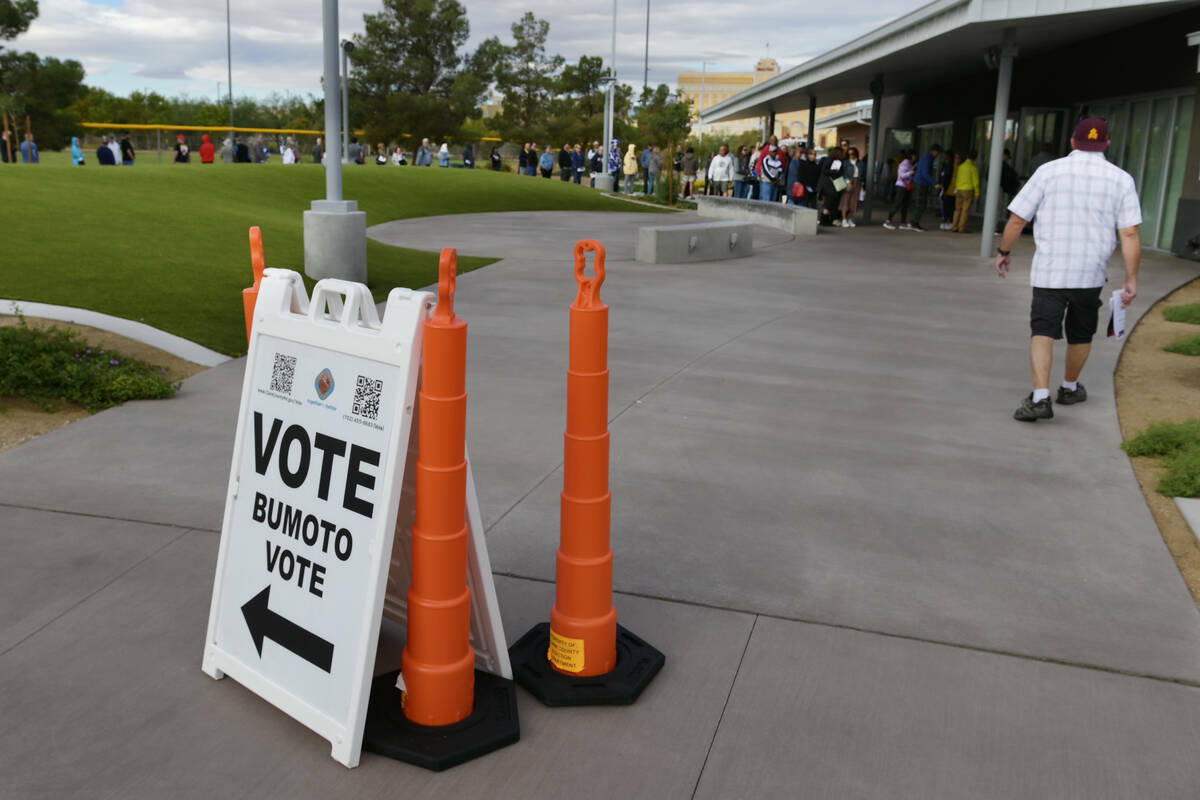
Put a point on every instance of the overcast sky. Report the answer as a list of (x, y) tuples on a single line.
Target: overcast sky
[(178, 46)]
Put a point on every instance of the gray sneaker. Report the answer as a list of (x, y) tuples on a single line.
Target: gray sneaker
[(1068, 398), (1030, 411)]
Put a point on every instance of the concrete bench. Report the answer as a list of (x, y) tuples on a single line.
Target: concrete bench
[(698, 241), (795, 220)]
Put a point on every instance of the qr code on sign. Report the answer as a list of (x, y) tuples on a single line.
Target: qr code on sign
[(283, 373), (367, 392)]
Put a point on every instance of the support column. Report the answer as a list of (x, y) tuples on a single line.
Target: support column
[(770, 123), (874, 146), (812, 120), (335, 231), (991, 205)]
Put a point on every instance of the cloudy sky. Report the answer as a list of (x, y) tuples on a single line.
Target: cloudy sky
[(178, 46)]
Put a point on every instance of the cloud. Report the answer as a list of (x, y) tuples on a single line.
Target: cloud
[(168, 44)]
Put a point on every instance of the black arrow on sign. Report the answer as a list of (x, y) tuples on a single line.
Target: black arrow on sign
[(263, 622)]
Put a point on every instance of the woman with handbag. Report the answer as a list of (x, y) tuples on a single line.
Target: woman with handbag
[(853, 176), (795, 189), (833, 183), (904, 187)]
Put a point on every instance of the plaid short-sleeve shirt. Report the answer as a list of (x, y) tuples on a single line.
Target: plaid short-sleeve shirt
[(1077, 203)]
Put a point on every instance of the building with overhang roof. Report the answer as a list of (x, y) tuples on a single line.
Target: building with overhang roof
[(953, 71)]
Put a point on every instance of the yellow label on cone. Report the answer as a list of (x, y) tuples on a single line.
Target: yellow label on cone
[(565, 653)]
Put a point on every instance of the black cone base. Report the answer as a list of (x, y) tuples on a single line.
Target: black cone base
[(637, 664), (491, 725)]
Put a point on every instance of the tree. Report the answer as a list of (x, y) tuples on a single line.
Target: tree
[(409, 73), (43, 89), (15, 17), (526, 77), (661, 119)]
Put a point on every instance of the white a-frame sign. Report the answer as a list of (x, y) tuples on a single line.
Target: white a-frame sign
[(316, 539)]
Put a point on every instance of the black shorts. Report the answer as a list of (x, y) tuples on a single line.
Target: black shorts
[(1081, 307)]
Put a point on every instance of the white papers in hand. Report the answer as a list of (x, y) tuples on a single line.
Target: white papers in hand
[(1116, 324)]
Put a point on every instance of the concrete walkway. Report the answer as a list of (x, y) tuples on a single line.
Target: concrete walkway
[(868, 580)]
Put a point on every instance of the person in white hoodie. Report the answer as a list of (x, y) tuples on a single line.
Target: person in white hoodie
[(720, 171)]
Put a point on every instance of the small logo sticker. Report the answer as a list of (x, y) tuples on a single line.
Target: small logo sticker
[(324, 383)]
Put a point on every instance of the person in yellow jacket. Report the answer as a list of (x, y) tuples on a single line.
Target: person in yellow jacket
[(630, 168), (966, 189)]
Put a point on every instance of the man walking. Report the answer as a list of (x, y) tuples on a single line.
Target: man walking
[(924, 181), (966, 189), (1080, 203)]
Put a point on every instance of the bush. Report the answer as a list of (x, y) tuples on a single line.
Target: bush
[(56, 365), (1188, 313), (1164, 438), (1183, 474), (1186, 347), (1179, 442)]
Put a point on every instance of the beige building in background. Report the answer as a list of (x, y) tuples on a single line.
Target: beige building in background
[(707, 89)]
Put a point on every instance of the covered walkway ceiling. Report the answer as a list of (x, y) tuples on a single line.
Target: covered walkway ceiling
[(941, 38)]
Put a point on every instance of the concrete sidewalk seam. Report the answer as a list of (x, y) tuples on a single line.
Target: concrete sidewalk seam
[(691, 363), (96, 591), (891, 635), (537, 485), (184, 528), (725, 705)]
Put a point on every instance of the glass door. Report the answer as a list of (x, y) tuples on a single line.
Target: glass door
[(982, 145), (1176, 160), (941, 134), (1149, 141), (1041, 128), (895, 141)]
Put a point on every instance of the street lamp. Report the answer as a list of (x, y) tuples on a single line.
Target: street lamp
[(335, 231), (646, 63), (347, 49), (604, 181), (229, 66)]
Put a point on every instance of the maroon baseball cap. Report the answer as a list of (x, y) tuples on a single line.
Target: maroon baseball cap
[(1091, 134)]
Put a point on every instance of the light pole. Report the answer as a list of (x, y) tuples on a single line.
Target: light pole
[(699, 111), (335, 231), (347, 49), (604, 181), (229, 66), (646, 63)]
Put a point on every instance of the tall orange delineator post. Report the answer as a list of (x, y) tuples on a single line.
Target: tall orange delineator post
[(258, 264), (583, 657), (439, 662), (448, 712)]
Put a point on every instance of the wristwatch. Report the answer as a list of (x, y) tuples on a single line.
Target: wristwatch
[(1004, 253)]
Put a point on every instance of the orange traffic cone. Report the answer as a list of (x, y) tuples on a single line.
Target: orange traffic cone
[(258, 264), (449, 712), (583, 657)]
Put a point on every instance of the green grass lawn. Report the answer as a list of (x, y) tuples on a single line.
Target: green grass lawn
[(1179, 444), (1189, 313), (1187, 347), (167, 245)]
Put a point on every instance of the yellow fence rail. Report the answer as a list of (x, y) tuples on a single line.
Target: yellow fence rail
[(164, 126)]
